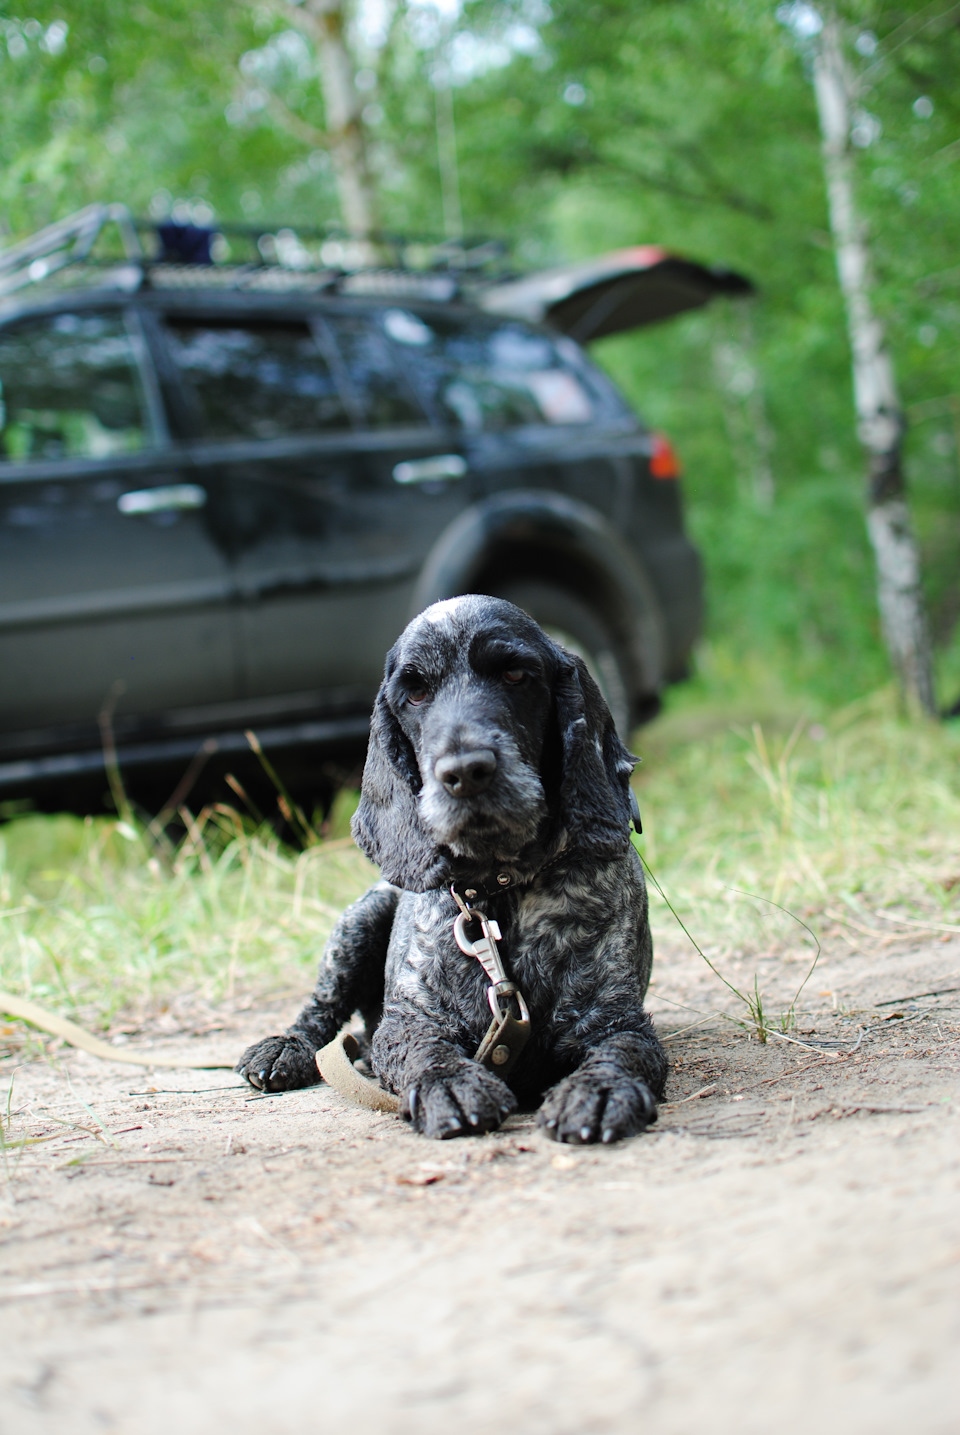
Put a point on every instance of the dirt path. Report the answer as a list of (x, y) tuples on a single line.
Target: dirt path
[(782, 1251)]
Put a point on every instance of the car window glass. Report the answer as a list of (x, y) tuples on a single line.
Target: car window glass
[(70, 387), (484, 375), (256, 380), (382, 396), (608, 402), (406, 328)]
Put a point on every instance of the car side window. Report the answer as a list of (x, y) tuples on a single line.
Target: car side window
[(483, 375), (382, 397), (257, 380), (71, 387)]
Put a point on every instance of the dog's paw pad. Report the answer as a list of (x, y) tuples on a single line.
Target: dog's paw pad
[(466, 1102), (279, 1063), (583, 1109), (631, 1108)]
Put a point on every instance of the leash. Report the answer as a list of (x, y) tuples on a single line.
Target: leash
[(503, 1041), (506, 1035), (75, 1035)]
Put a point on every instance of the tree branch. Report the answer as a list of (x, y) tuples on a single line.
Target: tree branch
[(566, 162), (301, 128), (902, 35)]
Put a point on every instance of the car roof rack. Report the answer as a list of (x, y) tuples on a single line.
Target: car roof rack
[(105, 245)]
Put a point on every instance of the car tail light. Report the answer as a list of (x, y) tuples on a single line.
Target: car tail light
[(663, 459)]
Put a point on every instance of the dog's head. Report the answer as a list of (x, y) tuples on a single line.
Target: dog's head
[(491, 749)]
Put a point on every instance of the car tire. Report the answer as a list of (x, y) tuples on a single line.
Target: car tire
[(570, 621)]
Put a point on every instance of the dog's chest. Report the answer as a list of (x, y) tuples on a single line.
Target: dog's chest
[(563, 943), (557, 933)]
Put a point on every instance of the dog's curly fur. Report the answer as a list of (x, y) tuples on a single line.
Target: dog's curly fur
[(492, 756)]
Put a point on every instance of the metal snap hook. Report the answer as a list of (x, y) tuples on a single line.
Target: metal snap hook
[(468, 948)]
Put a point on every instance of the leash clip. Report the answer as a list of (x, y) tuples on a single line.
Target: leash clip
[(507, 1035), (485, 950)]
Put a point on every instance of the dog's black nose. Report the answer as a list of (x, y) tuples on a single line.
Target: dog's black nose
[(464, 774)]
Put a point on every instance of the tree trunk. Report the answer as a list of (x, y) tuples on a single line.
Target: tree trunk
[(447, 151), (345, 131), (880, 421), (744, 406)]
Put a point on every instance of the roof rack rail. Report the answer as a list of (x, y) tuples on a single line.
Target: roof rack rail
[(186, 255), (68, 241)]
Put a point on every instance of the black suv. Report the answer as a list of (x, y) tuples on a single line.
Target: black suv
[(226, 487)]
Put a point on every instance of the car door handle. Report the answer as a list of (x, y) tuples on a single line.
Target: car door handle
[(427, 470), (165, 499)]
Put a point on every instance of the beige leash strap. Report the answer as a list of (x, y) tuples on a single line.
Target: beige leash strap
[(335, 1065), (76, 1036)]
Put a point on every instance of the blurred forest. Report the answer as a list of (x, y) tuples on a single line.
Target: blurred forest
[(573, 128)]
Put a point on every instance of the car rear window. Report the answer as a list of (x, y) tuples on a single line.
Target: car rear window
[(259, 380), (485, 375), (71, 387)]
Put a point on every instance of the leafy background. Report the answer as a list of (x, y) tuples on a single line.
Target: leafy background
[(580, 128)]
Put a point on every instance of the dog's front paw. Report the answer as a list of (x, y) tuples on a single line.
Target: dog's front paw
[(587, 1107), (466, 1102), (279, 1063)]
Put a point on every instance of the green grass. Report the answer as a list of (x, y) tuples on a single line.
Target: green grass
[(748, 808), (94, 919), (767, 835)]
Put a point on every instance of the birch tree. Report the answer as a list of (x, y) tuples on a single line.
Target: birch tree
[(325, 23), (880, 420)]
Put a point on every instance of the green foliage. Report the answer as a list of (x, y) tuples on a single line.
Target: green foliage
[(581, 127), (150, 101), (719, 157)]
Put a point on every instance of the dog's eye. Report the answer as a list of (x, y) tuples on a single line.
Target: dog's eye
[(415, 696), (514, 676)]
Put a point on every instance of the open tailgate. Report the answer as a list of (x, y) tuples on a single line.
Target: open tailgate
[(612, 293)]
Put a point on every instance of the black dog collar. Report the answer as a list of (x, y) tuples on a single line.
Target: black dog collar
[(489, 884)]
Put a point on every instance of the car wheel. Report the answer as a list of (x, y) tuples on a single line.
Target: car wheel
[(575, 626)]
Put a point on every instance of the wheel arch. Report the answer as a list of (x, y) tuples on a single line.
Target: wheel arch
[(532, 534)]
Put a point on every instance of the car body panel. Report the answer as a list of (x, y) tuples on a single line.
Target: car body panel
[(78, 559), (244, 567)]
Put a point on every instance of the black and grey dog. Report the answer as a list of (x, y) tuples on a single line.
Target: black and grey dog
[(494, 767)]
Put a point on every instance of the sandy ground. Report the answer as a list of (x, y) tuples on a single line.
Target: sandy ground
[(782, 1251)]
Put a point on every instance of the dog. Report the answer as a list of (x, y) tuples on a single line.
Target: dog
[(494, 780)]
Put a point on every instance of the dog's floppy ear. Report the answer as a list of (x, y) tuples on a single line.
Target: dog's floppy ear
[(595, 772), (386, 826)]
